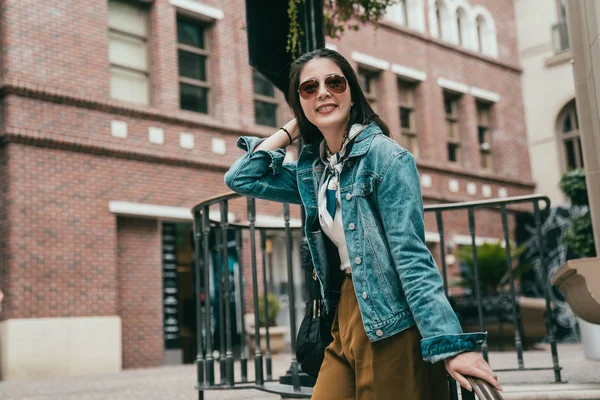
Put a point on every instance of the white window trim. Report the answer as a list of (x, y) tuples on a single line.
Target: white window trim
[(485, 94), (489, 48), (198, 10), (331, 46), (370, 61), (432, 237), (410, 73), (465, 240), (453, 85)]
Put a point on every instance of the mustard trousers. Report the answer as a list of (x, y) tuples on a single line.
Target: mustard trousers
[(392, 368)]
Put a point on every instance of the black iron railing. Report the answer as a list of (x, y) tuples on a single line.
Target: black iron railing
[(217, 232)]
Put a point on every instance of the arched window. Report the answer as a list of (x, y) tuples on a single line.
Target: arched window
[(462, 26), (439, 18), (485, 30), (568, 131), (398, 13)]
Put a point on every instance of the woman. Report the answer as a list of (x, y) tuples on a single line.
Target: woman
[(393, 325)]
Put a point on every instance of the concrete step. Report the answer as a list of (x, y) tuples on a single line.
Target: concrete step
[(553, 391)]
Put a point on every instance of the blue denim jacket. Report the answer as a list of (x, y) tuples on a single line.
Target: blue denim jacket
[(396, 280)]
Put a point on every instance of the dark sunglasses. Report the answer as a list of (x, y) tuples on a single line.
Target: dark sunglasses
[(336, 84)]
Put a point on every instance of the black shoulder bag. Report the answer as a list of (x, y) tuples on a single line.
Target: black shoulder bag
[(314, 334)]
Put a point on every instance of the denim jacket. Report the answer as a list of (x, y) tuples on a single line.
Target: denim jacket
[(396, 280)]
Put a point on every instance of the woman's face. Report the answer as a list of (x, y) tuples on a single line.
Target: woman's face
[(326, 110)]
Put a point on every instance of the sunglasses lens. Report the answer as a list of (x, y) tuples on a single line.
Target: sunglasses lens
[(309, 89), (336, 84)]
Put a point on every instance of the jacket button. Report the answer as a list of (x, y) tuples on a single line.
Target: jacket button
[(350, 164), (348, 196), (364, 295), (357, 260), (351, 226), (379, 332)]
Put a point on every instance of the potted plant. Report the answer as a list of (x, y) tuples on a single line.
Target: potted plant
[(276, 333), (495, 297)]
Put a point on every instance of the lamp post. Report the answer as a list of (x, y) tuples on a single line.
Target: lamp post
[(267, 26)]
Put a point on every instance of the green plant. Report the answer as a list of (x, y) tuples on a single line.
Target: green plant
[(574, 187), (273, 304), (338, 15), (492, 266), (579, 237)]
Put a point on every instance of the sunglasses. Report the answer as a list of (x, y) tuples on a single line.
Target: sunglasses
[(336, 84)]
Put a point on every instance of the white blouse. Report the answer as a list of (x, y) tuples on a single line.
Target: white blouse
[(333, 227)]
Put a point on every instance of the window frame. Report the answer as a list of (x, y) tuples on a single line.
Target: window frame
[(206, 31), (485, 152), (372, 95), (409, 138), (256, 97), (453, 120), (145, 39), (573, 136)]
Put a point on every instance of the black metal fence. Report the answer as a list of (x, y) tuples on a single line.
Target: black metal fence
[(212, 238)]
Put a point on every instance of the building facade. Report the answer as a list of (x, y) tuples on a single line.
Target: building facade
[(119, 116), (550, 109)]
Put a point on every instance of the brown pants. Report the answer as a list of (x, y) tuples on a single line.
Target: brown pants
[(392, 368)]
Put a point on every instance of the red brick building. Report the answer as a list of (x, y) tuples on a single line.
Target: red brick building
[(119, 116)]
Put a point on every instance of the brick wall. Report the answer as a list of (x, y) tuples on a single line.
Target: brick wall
[(140, 307), (64, 254)]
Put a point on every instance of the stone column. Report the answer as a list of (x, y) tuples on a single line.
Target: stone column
[(583, 19)]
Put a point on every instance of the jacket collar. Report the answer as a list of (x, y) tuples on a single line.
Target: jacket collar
[(360, 147)]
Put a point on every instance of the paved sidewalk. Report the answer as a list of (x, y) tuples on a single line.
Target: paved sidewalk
[(177, 382)]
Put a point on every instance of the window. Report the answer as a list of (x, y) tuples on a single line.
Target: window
[(462, 26), (128, 52), (485, 30), (369, 81), (560, 33), (439, 18), (398, 13), (265, 105), (192, 51), (407, 101), (484, 111), (451, 105), (568, 126)]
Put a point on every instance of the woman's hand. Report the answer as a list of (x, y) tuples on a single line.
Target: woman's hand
[(472, 364)]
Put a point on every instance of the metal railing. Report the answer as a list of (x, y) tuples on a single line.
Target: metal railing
[(560, 37), (217, 231)]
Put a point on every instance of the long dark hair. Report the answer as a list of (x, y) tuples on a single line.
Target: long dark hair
[(360, 113)]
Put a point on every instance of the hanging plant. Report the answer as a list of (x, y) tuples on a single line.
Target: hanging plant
[(339, 16)]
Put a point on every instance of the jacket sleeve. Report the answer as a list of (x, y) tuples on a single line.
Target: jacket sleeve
[(262, 174), (401, 207)]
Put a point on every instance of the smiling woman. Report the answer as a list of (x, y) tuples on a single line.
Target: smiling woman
[(391, 322)]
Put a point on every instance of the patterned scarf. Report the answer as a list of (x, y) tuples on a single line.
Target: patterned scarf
[(328, 187)]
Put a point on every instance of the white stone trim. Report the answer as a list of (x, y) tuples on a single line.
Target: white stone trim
[(156, 135), (370, 61), (198, 9), (453, 85), (37, 348), (331, 46), (426, 180), (432, 237), (149, 210), (118, 129), (186, 140), (218, 146), (409, 73), (269, 221), (465, 240), (485, 94)]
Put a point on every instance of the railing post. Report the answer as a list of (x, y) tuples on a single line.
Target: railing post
[(471, 212), (292, 295), (225, 242), (220, 294), (263, 249), (259, 378), (440, 225), (210, 366), (200, 363), (242, 305), (546, 283), (513, 296)]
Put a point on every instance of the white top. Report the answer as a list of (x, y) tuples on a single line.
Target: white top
[(333, 227)]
